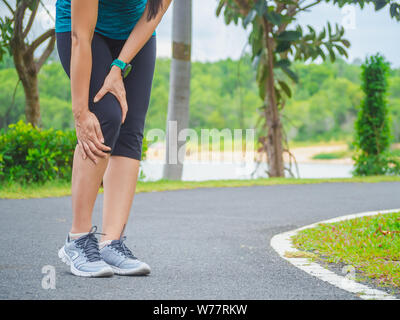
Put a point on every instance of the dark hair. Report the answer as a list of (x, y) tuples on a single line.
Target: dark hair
[(154, 7)]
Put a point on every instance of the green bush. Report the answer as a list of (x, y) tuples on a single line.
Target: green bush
[(29, 154), (373, 125)]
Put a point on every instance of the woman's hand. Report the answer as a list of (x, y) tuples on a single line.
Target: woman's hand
[(114, 84), (90, 137)]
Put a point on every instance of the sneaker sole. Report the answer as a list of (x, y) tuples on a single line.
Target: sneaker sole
[(143, 270), (105, 272)]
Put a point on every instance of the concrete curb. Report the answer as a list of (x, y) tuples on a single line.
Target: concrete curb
[(282, 243)]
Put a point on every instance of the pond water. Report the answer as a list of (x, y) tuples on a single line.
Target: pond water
[(200, 171)]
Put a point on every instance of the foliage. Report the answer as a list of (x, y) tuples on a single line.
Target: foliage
[(290, 41), (276, 41), (327, 114), (222, 91), (56, 112), (32, 155), (11, 26), (10, 111), (372, 125), (17, 40), (7, 62), (29, 154), (5, 37), (393, 5)]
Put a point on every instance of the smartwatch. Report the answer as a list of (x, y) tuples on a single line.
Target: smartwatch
[(125, 67)]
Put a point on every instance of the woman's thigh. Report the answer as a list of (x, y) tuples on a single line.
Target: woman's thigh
[(138, 88), (107, 110)]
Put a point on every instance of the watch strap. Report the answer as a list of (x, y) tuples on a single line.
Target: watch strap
[(119, 63)]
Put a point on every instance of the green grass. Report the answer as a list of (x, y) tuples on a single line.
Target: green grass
[(59, 189), (302, 144), (345, 154), (331, 155), (370, 244), (223, 145)]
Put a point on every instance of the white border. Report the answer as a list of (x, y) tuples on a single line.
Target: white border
[(282, 243)]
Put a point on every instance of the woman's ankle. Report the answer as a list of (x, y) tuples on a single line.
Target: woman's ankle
[(77, 232)]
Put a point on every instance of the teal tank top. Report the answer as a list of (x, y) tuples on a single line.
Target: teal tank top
[(116, 18)]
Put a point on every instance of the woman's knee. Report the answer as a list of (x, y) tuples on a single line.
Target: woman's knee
[(129, 144), (109, 115)]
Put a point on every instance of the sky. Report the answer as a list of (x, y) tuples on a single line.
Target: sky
[(368, 31)]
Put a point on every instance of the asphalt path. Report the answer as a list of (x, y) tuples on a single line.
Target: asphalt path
[(201, 243)]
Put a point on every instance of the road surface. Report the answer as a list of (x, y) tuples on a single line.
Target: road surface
[(201, 244)]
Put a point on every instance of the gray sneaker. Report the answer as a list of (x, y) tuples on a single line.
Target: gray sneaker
[(122, 260), (83, 256)]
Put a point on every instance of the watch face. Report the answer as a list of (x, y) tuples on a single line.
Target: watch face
[(127, 69)]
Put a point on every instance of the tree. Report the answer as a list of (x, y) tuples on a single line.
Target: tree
[(179, 94), (393, 5), (372, 125), (14, 40), (275, 42)]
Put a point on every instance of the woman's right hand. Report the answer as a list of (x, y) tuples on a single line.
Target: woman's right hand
[(89, 135)]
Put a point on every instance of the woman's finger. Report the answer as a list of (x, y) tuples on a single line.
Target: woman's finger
[(101, 147), (95, 149), (82, 150), (124, 105), (99, 133), (100, 94), (99, 143), (89, 153)]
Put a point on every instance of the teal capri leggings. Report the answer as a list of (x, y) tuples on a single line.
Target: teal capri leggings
[(123, 139)]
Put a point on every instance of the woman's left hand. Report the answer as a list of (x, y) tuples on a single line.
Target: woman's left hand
[(115, 85)]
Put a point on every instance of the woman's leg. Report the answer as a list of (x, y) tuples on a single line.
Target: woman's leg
[(86, 180), (119, 184), (122, 172), (86, 176)]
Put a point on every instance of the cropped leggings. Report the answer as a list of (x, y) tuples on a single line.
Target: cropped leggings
[(123, 139)]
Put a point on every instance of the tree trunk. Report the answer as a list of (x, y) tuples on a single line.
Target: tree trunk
[(26, 69), (32, 105), (274, 144), (179, 94), (23, 54)]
